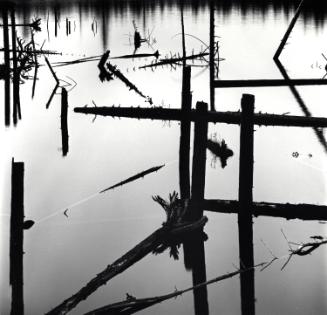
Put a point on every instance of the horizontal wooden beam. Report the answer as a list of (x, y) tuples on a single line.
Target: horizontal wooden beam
[(159, 113), (267, 83), (287, 211)]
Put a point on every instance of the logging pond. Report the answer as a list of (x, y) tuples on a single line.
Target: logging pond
[(78, 231)]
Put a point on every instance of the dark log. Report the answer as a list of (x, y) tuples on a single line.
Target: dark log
[(184, 147), (131, 257), (279, 210), (266, 83), (64, 122), (159, 113), (245, 231)]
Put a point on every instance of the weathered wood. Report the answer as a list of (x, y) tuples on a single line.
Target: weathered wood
[(184, 147), (245, 231), (288, 31), (159, 113), (287, 210), (17, 238), (266, 83), (64, 122), (131, 257)]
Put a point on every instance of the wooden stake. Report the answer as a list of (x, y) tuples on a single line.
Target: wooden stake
[(184, 148), (245, 199), (17, 237)]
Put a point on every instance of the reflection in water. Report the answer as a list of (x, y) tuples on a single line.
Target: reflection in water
[(190, 206), (104, 10)]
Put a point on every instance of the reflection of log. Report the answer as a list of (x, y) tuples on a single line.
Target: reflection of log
[(170, 61), (215, 117), (245, 230), (64, 123), (319, 133), (288, 31), (267, 83), (131, 257), (287, 210), (16, 238)]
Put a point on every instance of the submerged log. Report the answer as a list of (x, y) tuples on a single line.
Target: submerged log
[(160, 113), (145, 247)]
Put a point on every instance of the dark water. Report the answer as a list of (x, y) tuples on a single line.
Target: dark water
[(62, 254)]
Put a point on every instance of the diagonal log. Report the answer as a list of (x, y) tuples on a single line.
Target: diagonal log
[(142, 249)]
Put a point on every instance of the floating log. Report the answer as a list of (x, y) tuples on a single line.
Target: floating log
[(159, 113), (280, 210), (118, 74), (169, 61), (135, 177), (132, 305), (266, 83), (17, 238), (131, 257)]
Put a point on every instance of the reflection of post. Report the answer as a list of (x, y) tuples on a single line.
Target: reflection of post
[(16, 237), (184, 148), (245, 200), (64, 124), (7, 64), (56, 21), (16, 100), (212, 55)]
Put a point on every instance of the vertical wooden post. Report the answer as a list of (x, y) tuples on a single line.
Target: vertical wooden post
[(17, 237), (7, 63), (245, 209), (64, 123), (184, 148), (199, 158), (212, 55)]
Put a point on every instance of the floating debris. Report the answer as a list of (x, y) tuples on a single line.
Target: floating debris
[(220, 150), (28, 224), (135, 177)]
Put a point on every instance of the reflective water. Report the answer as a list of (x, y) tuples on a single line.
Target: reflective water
[(62, 254)]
